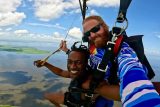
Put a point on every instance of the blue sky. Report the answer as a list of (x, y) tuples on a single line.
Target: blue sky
[(49, 20)]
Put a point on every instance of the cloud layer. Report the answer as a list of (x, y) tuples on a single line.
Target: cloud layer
[(8, 13)]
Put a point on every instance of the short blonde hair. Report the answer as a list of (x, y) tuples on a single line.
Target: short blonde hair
[(99, 19)]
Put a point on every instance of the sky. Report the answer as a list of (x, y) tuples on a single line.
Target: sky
[(53, 20)]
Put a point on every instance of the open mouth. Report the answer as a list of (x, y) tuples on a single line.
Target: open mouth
[(74, 72)]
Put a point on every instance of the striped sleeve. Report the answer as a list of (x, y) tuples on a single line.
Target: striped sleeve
[(135, 88)]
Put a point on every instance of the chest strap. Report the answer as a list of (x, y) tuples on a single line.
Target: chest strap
[(110, 52)]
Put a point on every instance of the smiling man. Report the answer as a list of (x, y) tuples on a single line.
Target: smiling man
[(135, 87), (76, 64)]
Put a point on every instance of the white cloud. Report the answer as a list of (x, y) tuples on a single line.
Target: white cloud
[(51, 9), (57, 35), (75, 33), (2, 33), (94, 12), (104, 3), (11, 18), (8, 29), (44, 9), (8, 14), (21, 32), (25, 35), (9, 5), (48, 9), (58, 26)]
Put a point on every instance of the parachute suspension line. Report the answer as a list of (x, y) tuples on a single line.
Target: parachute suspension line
[(70, 28), (83, 8), (46, 58)]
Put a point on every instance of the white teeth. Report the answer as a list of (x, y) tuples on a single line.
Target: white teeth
[(74, 72)]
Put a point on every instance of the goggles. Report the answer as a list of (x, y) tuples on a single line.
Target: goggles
[(78, 45)]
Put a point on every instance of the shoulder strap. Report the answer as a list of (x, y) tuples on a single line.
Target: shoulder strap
[(136, 44), (117, 45), (108, 56)]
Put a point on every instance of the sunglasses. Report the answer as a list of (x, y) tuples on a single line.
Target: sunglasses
[(86, 35)]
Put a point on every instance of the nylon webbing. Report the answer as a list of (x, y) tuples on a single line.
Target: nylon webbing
[(99, 73), (124, 4), (83, 8), (106, 56)]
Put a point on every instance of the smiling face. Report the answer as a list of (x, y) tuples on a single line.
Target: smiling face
[(96, 31), (76, 63)]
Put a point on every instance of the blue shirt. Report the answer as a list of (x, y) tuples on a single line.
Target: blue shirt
[(135, 87)]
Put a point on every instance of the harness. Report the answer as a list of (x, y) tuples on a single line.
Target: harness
[(73, 96), (111, 50), (117, 36)]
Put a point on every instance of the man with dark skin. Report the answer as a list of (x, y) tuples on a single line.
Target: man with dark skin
[(76, 63)]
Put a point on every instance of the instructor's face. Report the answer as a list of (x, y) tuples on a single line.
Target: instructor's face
[(95, 32)]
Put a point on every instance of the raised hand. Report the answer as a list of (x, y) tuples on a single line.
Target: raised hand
[(63, 46)]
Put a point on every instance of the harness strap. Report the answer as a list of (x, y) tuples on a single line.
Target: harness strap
[(117, 45), (79, 90), (102, 67), (124, 4), (70, 102), (112, 50), (106, 57)]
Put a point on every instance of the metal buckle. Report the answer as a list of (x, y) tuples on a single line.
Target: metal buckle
[(102, 69), (110, 42), (90, 96)]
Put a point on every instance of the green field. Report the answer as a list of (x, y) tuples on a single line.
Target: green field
[(26, 50), (7, 106)]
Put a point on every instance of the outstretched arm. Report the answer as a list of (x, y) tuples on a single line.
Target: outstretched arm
[(55, 98), (135, 87), (54, 69)]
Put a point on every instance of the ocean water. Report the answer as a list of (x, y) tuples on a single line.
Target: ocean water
[(23, 85)]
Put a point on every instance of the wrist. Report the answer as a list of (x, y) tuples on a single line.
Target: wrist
[(68, 51), (45, 64)]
